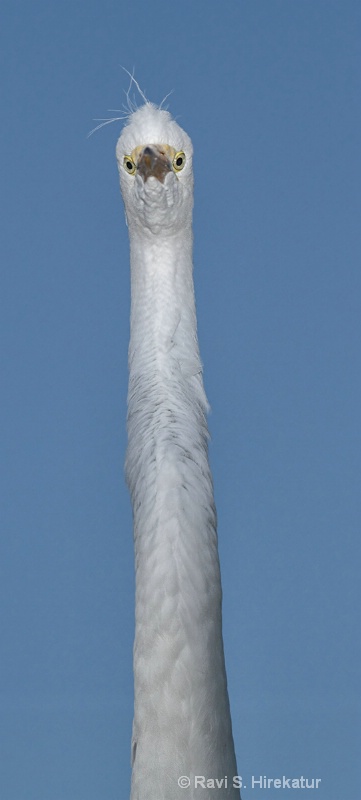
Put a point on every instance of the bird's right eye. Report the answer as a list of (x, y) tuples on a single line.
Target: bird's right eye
[(129, 165)]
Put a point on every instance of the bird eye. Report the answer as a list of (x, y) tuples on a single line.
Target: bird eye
[(129, 165), (179, 161)]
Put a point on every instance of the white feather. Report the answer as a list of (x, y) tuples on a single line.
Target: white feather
[(182, 723)]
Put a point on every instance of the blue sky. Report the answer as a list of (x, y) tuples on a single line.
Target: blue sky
[(269, 91)]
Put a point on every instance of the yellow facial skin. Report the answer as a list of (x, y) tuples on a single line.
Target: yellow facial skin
[(154, 160)]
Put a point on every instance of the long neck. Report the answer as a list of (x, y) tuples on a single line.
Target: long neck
[(181, 721)]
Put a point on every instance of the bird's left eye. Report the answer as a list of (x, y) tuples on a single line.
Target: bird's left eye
[(179, 161), (129, 165)]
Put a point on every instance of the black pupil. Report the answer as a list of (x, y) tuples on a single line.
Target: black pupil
[(129, 165), (179, 161)]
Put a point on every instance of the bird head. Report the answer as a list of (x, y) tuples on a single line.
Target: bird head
[(154, 159)]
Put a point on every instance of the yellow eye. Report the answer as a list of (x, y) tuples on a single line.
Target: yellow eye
[(129, 165), (179, 161)]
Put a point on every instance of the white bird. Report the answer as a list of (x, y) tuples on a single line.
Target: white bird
[(182, 724)]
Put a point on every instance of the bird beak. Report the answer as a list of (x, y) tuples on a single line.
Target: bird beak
[(153, 163)]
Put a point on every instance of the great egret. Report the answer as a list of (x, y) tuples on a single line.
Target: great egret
[(182, 729)]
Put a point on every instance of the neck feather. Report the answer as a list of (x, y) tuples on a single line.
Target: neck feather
[(181, 721), (166, 395)]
